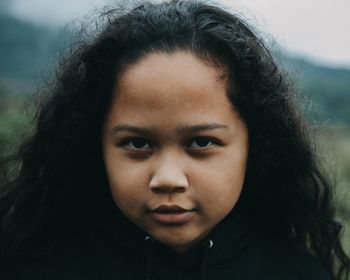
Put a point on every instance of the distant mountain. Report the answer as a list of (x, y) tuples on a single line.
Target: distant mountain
[(325, 91), (26, 51)]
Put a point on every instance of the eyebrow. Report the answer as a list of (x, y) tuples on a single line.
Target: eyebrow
[(200, 127), (150, 132), (133, 129)]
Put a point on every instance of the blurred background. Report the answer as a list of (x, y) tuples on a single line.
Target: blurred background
[(309, 38)]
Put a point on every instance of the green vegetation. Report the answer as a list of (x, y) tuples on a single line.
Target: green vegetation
[(335, 148), (15, 119)]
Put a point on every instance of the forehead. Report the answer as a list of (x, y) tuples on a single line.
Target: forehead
[(165, 89), (169, 78)]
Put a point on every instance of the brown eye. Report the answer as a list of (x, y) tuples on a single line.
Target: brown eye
[(202, 142), (136, 144)]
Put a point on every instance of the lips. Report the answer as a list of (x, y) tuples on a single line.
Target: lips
[(171, 214)]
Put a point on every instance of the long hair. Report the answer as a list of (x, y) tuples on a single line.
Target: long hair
[(62, 181)]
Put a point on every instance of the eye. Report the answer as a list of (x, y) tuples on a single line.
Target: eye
[(202, 142), (136, 144)]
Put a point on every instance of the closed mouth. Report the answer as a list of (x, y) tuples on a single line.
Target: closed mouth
[(170, 209), (172, 214)]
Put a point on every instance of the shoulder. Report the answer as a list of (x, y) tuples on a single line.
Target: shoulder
[(287, 258), (7, 273), (71, 262), (47, 267)]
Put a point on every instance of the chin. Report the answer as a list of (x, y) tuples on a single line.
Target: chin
[(177, 241)]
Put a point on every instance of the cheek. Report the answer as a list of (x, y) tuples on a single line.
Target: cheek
[(120, 170), (127, 181), (220, 194), (127, 192), (218, 184)]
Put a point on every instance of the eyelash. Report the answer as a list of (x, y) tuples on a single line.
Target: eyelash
[(126, 142)]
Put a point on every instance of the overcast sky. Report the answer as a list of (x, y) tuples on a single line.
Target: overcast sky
[(318, 29)]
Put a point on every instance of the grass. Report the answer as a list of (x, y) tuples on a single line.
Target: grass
[(335, 144)]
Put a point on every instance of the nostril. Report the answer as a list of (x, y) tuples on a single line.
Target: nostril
[(168, 189)]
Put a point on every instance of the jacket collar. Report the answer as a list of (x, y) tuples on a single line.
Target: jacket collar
[(229, 238)]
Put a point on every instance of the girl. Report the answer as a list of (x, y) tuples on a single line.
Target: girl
[(170, 147)]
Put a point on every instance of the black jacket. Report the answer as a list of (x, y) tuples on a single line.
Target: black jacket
[(115, 249)]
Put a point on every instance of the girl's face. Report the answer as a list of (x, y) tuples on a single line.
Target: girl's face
[(175, 149)]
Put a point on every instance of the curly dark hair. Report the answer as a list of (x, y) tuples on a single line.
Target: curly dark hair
[(62, 180)]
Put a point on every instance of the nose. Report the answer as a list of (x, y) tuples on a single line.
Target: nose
[(169, 177)]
